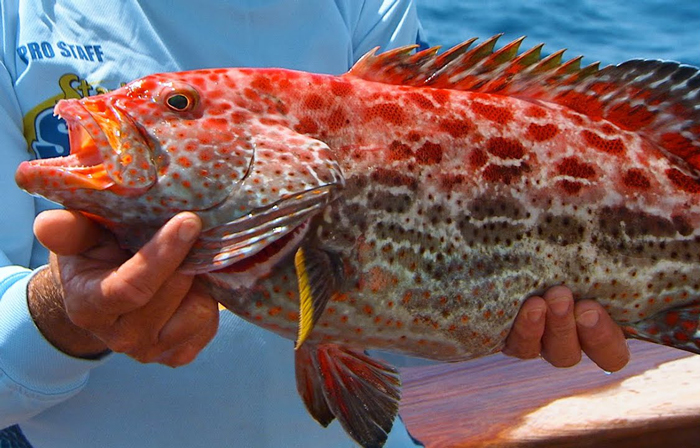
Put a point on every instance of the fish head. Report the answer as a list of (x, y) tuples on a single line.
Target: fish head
[(177, 142)]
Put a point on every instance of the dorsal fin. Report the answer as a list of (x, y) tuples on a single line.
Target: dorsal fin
[(659, 100)]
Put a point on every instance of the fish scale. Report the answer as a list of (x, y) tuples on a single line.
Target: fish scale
[(459, 256), (410, 205)]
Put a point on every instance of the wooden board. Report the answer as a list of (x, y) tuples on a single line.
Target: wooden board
[(499, 401)]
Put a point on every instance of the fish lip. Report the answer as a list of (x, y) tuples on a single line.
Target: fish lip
[(84, 126), (81, 168)]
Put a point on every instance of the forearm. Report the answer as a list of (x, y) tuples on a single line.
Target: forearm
[(33, 374), (46, 307)]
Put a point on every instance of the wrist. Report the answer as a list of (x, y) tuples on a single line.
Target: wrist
[(45, 303)]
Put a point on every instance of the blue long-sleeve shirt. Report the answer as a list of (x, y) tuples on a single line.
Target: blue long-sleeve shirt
[(241, 390)]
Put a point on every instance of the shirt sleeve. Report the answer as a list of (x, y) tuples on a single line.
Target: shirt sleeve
[(385, 24), (33, 374)]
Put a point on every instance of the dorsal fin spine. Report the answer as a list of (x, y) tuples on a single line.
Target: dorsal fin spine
[(659, 100)]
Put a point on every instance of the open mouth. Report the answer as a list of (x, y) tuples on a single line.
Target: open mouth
[(84, 166), (107, 151)]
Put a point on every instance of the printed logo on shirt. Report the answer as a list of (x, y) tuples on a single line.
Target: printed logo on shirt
[(35, 51), (47, 134)]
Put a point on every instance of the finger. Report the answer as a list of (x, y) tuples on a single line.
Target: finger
[(137, 332), (186, 353), (195, 312), (560, 345), (136, 281), (600, 337), (67, 232), (525, 338), (190, 337)]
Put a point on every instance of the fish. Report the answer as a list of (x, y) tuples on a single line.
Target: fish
[(409, 205)]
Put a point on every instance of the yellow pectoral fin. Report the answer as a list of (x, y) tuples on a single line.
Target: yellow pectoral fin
[(316, 278), (306, 306)]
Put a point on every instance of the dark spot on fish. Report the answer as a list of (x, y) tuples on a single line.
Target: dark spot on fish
[(399, 151), (571, 166), (505, 174), (391, 203), (429, 154), (394, 178), (635, 178), (683, 181)]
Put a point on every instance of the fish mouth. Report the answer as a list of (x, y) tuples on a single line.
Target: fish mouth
[(260, 236), (97, 157), (82, 168)]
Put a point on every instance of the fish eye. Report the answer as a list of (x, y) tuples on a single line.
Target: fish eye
[(179, 102)]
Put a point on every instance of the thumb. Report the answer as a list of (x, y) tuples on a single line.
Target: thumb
[(67, 232)]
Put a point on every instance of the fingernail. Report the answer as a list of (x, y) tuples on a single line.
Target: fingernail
[(535, 315), (189, 229), (588, 318), (560, 306)]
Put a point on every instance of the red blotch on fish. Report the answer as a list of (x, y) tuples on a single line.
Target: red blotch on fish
[(573, 167), (540, 133), (683, 181), (341, 88), (478, 158), (505, 148), (611, 146), (306, 125), (498, 114), (399, 151), (429, 154), (420, 100), (635, 178), (456, 127), (337, 120), (389, 112)]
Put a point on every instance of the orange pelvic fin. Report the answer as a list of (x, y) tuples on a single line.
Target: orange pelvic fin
[(362, 393)]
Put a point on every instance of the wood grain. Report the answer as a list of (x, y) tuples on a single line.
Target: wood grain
[(498, 401)]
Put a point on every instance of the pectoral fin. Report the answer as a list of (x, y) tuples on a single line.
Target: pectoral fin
[(678, 327), (317, 278), (363, 394)]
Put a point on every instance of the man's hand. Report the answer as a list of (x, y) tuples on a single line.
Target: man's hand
[(97, 297), (559, 329)]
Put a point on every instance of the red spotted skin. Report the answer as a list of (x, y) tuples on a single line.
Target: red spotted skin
[(454, 205), (459, 205)]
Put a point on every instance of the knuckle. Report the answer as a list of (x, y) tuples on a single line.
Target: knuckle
[(617, 364), (565, 360), (124, 344), (129, 292), (180, 357), (596, 341), (145, 357), (83, 319), (530, 354), (561, 330)]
